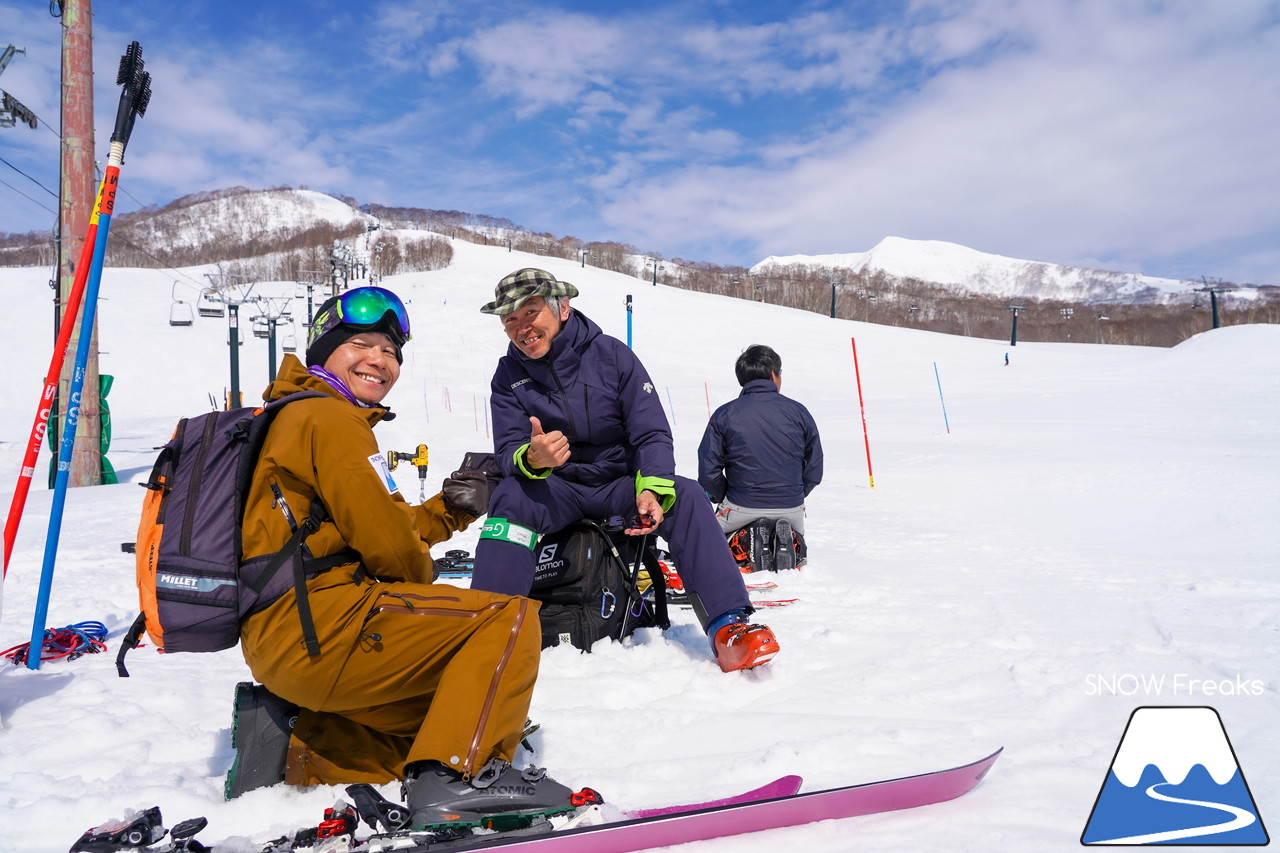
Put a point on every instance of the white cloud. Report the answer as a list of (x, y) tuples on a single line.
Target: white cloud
[(546, 60), (1114, 135), (1113, 130)]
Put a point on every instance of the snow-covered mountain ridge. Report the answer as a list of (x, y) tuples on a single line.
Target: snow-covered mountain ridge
[(233, 217), (958, 267), (244, 222)]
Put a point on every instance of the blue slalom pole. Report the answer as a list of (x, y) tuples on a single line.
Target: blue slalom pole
[(628, 321), (106, 205), (940, 397)]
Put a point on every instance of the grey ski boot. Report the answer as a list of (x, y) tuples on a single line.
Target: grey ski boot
[(440, 797)]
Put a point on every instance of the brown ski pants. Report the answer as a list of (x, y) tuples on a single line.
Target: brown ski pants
[(422, 672)]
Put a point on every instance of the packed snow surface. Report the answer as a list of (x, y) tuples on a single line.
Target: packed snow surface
[(1030, 553)]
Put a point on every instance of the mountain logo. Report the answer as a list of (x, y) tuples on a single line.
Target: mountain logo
[(1175, 779)]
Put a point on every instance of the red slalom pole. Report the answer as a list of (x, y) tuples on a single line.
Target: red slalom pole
[(863, 409), (41, 425)]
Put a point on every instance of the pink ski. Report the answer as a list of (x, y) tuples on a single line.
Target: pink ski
[(772, 806), (786, 786), (735, 819)]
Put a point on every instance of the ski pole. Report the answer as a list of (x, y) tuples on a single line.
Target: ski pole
[(863, 409), (133, 102), (44, 405)]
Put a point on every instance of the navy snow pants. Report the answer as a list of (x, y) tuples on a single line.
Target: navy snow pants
[(693, 535)]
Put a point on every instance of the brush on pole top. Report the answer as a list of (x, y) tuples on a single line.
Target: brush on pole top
[(135, 95)]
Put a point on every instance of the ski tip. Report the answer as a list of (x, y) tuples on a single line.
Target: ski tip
[(984, 765), (791, 783)]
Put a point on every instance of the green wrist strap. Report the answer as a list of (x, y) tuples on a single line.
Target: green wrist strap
[(531, 473), (508, 531), (665, 489)]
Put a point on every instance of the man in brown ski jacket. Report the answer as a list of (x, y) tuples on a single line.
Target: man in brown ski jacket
[(424, 682)]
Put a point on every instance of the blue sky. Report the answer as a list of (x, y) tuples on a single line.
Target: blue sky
[(1138, 135)]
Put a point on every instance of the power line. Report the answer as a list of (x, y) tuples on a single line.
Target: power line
[(28, 177), (162, 266), (29, 198), (48, 127), (25, 113), (117, 237), (125, 192)]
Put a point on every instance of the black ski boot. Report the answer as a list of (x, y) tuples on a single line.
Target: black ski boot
[(761, 545), (260, 733), (439, 797), (784, 546)]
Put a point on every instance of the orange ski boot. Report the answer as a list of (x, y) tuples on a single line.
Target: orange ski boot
[(739, 645)]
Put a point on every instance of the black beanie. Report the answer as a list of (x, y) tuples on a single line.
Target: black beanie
[(320, 350)]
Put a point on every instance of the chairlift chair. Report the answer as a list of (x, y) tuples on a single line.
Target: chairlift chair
[(208, 305), (180, 314), (261, 327)]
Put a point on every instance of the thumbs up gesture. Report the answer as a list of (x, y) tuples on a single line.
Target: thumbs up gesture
[(546, 449)]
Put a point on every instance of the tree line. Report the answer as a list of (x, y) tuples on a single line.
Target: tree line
[(144, 238)]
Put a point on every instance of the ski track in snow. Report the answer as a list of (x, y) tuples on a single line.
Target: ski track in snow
[(1094, 510)]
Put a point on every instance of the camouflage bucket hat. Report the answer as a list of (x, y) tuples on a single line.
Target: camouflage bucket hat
[(517, 288)]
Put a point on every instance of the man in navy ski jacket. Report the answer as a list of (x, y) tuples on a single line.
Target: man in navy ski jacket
[(760, 456), (580, 433)]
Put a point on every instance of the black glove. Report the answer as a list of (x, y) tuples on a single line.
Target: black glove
[(469, 487), (482, 462), (468, 491)]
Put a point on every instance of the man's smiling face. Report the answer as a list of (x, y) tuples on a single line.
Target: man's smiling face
[(366, 363), (533, 326)]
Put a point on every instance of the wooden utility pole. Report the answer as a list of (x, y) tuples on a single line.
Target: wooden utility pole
[(76, 200)]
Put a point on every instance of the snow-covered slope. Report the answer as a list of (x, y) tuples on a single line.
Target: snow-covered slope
[(970, 271), (1083, 515), (237, 216)]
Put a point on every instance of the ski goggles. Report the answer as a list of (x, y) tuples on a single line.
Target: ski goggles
[(365, 309)]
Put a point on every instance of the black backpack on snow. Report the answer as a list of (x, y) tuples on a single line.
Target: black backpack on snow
[(587, 578), (193, 586)]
